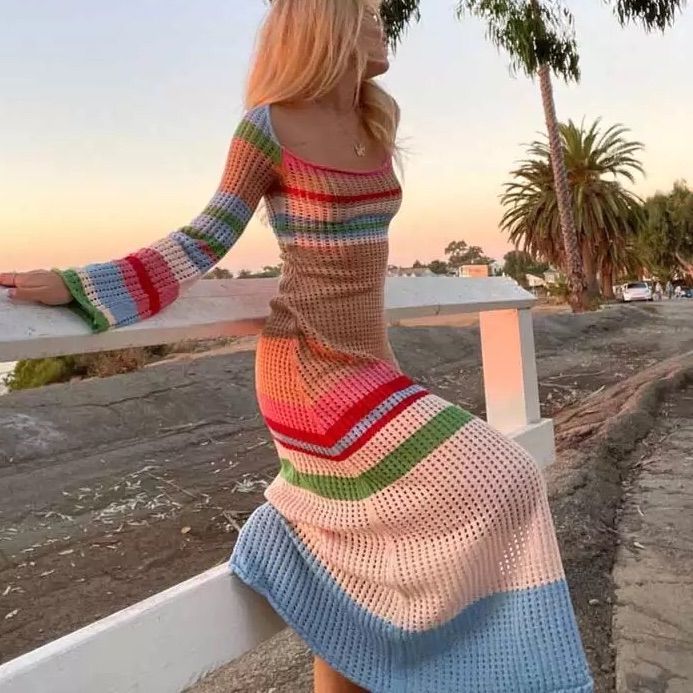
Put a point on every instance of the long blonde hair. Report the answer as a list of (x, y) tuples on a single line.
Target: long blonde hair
[(305, 47)]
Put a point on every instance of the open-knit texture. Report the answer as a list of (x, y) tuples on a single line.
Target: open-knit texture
[(409, 543)]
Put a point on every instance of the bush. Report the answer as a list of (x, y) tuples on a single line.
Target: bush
[(31, 373), (38, 372), (106, 363), (559, 292)]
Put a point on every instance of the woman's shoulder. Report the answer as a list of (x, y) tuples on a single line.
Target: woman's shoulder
[(258, 117), (256, 128)]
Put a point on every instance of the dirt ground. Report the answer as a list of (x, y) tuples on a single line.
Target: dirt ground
[(114, 490), (653, 598)]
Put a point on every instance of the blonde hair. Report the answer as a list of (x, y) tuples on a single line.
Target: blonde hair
[(305, 47)]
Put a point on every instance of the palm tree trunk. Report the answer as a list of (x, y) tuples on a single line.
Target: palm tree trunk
[(573, 269), (606, 279), (589, 265)]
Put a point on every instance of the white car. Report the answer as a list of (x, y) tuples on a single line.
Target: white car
[(636, 291)]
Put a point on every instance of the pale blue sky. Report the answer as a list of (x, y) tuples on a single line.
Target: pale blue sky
[(115, 119)]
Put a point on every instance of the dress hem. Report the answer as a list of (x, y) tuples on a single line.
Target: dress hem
[(315, 648)]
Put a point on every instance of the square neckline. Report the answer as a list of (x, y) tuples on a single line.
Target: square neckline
[(314, 164)]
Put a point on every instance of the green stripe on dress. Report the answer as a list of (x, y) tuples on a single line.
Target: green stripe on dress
[(219, 249), (394, 466), (253, 135), (336, 227), (81, 304), (231, 220)]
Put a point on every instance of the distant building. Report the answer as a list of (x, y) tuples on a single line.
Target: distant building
[(473, 271), (410, 272), (552, 277), (535, 282), (496, 268)]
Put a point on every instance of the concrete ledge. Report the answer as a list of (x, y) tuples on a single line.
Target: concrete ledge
[(538, 439), (232, 307), (160, 645)]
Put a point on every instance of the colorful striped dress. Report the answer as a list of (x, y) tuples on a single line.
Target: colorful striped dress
[(407, 542)]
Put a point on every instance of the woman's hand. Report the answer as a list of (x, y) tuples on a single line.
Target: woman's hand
[(39, 286)]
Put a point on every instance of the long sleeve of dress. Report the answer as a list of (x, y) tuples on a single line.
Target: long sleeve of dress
[(124, 291)]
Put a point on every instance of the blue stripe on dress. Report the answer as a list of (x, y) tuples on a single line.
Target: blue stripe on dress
[(515, 642), (260, 118), (111, 292), (215, 228), (224, 231), (191, 247), (232, 204)]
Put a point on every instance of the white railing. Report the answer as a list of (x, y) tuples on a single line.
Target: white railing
[(169, 641)]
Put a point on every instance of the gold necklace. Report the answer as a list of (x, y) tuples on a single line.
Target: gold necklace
[(360, 148)]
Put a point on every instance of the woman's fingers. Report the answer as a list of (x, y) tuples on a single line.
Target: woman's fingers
[(36, 294), (40, 286), (26, 279), (34, 280), (8, 278)]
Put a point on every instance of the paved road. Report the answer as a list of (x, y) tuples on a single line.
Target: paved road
[(653, 617)]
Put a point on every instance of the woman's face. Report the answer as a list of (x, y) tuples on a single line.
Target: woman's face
[(372, 40)]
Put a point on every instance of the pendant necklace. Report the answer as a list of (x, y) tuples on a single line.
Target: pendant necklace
[(359, 146)]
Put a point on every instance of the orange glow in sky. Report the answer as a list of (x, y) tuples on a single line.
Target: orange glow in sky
[(116, 117)]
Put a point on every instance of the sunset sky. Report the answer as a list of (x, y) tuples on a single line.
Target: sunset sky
[(115, 119)]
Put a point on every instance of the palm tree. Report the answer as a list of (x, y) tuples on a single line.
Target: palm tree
[(606, 215), (650, 14), (539, 39), (538, 36)]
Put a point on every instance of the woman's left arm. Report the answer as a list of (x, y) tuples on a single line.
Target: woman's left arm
[(139, 285)]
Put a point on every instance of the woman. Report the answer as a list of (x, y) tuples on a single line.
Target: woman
[(407, 542)]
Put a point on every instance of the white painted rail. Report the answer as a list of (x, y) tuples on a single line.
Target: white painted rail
[(165, 643), (169, 641), (228, 307)]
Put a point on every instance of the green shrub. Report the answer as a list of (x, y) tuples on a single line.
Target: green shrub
[(31, 373), (559, 291), (38, 372)]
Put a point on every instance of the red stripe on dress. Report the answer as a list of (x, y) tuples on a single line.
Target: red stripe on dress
[(146, 282), (349, 419), (324, 197), (167, 284), (133, 286), (363, 439)]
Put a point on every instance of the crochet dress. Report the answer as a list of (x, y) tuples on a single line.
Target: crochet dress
[(407, 542)]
